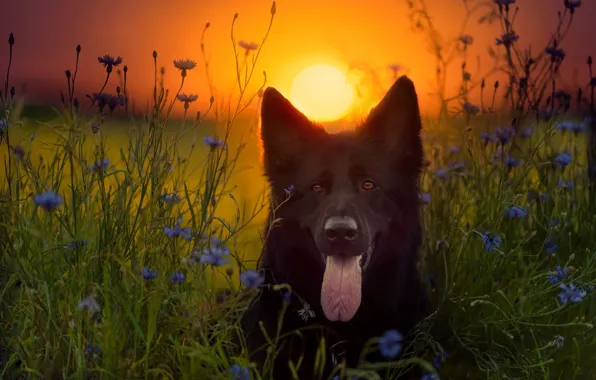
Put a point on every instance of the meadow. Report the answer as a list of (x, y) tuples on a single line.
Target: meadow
[(129, 238)]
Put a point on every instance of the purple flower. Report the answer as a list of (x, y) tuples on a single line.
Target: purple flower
[(213, 142), (109, 62), (424, 198), (515, 212), (526, 133), (390, 344), (571, 294), (507, 38), (252, 279), (48, 200), (563, 159), (215, 255), (178, 231), (470, 108), (239, 372), (511, 162), (442, 173), (177, 277), (149, 274), (100, 165), (559, 275), (505, 134), (170, 198), (491, 241), (549, 246)]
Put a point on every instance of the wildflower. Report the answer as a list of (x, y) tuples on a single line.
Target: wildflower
[(170, 198), (439, 359), (177, 277), (565, 184), (305, 312), (178, 231), (526, 133), (289, 190), (466, 39), (248, 46), (505, 134), (578, 127), (430, 376), (149, 274), (4, 125), (100, 165), (424, 198), (390, 344), (457, 166), (507, 39), (559, 275), (95, 127), (109, 62), (90, 304), (558, 341), (571, 5), (442, 173), (555, 53), (454, 150), (187, 99), (252, 279), (504, 2), (491, 241), (93, 351), (466, 76), (511, 162), (215, 256), (550, 247), (17, 150), (395, 67), (48, 200), (184, 65), (239, 372), (470, 109), (212, 142), (563, 159), (75, 243), (515, 212), (571, 294), (564, 126), (487, 138)]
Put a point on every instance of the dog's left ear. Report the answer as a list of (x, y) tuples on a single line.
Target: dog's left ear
[(394, 125)]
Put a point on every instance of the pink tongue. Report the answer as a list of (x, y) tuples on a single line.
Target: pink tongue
[(341, 290)]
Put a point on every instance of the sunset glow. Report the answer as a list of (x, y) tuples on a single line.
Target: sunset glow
[(322, 93)]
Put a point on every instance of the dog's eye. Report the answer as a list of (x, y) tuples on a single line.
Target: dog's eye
[(316, 187), (368, 185)]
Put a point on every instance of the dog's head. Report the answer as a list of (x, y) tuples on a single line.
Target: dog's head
[(346, 189)]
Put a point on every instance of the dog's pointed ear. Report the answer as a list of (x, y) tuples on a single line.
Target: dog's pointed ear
[(285, 132), (394, 124)]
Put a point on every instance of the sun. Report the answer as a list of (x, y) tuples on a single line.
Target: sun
[(322, 93)]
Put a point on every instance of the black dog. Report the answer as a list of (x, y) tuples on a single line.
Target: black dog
[(346, 232)]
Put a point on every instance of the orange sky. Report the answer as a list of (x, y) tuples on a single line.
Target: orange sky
[(343, 32)]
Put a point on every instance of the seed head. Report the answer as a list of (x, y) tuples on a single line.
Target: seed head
[(11, 39)]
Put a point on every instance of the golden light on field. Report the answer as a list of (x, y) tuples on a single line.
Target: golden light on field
[(322, 93)]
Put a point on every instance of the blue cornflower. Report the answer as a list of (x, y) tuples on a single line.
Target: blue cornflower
[(92, 350), (507, 38), (555, 53), (239, 372), (442, 173), (563, 159), (526, 133), (571, 5), (212, 142), (215, 256), (424, 197), (559, 275), (564, 125), (100, 165), (457, 166), (515, 212), (252, 279), (170, 198), (289, 190), (430, 376), (511, 162), (390, 343), (578, 127), (565, 184), (491, 241), (178, 231), (454, 149), (571, 294), (177, 277), (487, 138), (48, 200), (75, 243), (504, 2), (149, 274), (109, 61), (470, 108), (505, 134), (439, 359), (550, 246), (90, 304)]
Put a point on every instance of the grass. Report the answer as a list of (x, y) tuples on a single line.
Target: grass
[(106, 286)]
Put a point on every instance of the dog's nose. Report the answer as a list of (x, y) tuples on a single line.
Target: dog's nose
[(341, 229)]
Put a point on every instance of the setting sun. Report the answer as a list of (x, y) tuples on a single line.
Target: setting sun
[(322, 93)]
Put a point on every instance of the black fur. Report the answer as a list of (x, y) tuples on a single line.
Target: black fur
[(387, 150)]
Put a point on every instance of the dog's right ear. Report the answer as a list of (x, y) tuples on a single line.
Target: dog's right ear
[(286, 133)]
